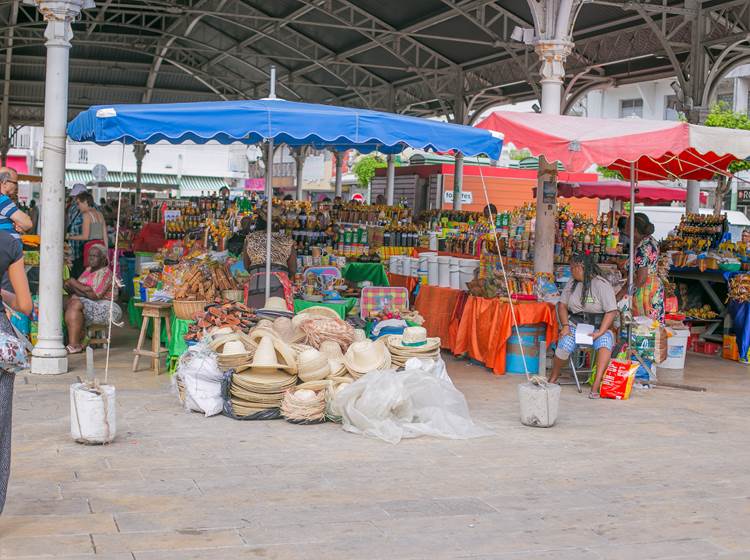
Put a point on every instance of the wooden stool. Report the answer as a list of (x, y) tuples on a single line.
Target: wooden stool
[(97, 334), (156, 312)]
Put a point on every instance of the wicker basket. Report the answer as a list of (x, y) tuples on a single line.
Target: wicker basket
[(233, 295), (185, 309)]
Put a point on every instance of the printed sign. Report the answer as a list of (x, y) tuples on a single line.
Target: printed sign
[(466, 197)]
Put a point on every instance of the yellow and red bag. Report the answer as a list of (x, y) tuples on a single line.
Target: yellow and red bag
[(618, 380)]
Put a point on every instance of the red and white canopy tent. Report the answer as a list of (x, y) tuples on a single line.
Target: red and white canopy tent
[(638, 149), (647, 193)]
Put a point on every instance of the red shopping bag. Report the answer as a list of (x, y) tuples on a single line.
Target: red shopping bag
[(618, 380)]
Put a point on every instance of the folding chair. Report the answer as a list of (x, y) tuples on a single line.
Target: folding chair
[(578, 355)]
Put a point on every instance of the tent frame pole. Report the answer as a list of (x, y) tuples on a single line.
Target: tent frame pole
[(631, 251), (269, 212)]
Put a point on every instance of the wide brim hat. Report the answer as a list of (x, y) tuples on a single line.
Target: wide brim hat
[(287, 331), (396, 343), (359, 335), (272, 354), (233, 348), (312, 365), (320, 311), (366, 355), (264, 382)]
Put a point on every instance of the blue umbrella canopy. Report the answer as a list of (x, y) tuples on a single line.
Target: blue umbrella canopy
[(287, 122)]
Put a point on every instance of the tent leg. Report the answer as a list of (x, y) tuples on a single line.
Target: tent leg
[(631, 252), (269, 212)]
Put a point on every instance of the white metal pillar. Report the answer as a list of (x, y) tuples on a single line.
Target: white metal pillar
[(390, 179), (339, 172), (458, 180), (299, 156), (553, 54), (693, 197), (49, 355)]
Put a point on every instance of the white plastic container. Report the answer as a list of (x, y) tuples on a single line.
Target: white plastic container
[(455, 272), (676, 350), (433, 274), (444, 272), (413, 266), (539, 404), (93, 416), (466, 270)]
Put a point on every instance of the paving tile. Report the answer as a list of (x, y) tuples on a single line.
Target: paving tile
[(172, 540), (49, 546), (47, 525)]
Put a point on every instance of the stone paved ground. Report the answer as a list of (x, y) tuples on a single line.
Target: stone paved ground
[(664, 475)]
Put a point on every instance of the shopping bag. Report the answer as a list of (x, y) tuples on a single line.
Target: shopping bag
[(617, 381)]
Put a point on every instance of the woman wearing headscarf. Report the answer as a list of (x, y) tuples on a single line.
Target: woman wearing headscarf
[(590, 299), (648, 295), (89, 302)]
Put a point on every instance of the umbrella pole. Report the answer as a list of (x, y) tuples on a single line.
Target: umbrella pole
[(631, 255), (269, 212)]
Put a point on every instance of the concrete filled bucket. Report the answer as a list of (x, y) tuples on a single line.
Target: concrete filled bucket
[(93, 413), (540, 403)]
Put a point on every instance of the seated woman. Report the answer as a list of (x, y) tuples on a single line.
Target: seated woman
[(587, 298), (89, 298)]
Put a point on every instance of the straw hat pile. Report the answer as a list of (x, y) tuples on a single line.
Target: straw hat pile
[(270, 374), (312, 365), (287, 331), (306, 403), (233, 350), (365, 356), (414, 343), (318, 329), (274, 307), (332, 351)]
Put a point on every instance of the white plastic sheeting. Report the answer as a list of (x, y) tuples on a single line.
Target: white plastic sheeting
[(202, 378), (419, 401)]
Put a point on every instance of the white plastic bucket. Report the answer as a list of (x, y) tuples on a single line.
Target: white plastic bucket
[(93, 415), (455, 273), (467, 269), (433, 274), (413, 266), (444, 272), (676, 350), (539, 404)]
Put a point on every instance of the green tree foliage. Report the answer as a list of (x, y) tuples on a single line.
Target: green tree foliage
[(365, 168), (608, 173), (721, 115)]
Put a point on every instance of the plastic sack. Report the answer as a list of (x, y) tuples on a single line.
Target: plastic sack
[(391, 405), (201, 376), (617, 382)]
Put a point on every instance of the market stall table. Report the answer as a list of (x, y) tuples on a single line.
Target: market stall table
[(177, 345), (401, 281), (437, 306), (365, 272), (153, 312), (487, 324), (342, 307)]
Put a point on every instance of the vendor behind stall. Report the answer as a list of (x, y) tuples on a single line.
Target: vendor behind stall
[(648, 297), (588, 298), (89, 302)]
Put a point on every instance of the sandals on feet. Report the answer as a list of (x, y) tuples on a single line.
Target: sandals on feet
[(593, 395), (74, 349)]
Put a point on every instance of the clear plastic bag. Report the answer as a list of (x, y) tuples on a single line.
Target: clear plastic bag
[(201, 377), (417, 402)]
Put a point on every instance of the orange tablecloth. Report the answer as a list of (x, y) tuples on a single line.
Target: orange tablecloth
[(436, 305), (400, 281), (486, 325)]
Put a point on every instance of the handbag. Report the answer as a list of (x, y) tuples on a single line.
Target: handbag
[(13, 356)]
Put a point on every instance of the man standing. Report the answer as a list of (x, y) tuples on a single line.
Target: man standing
[(12, 219)]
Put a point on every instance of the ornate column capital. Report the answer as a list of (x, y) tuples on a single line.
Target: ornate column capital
[(59, 14), (553, 54)]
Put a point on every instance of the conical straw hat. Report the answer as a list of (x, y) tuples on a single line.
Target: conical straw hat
[(266, 357)]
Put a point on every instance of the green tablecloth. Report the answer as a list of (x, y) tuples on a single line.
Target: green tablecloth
[(342, 308), (135, 318), (177, 345), (359, 272)]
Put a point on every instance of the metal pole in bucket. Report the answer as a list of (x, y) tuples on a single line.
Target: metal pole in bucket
[(269, 212)]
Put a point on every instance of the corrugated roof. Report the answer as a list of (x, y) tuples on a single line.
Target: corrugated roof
[(188, 184)]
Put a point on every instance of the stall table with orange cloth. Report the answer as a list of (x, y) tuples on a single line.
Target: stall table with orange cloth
[(486, 325), (401, 281), (436, 305)]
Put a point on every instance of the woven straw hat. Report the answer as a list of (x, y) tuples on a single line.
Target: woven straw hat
[(320, 311), (275, 304), (359, 335), (233, 348), (287, 331), (365, 356), (332, 350), (414, 340), (312, 365), (268, 357)]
